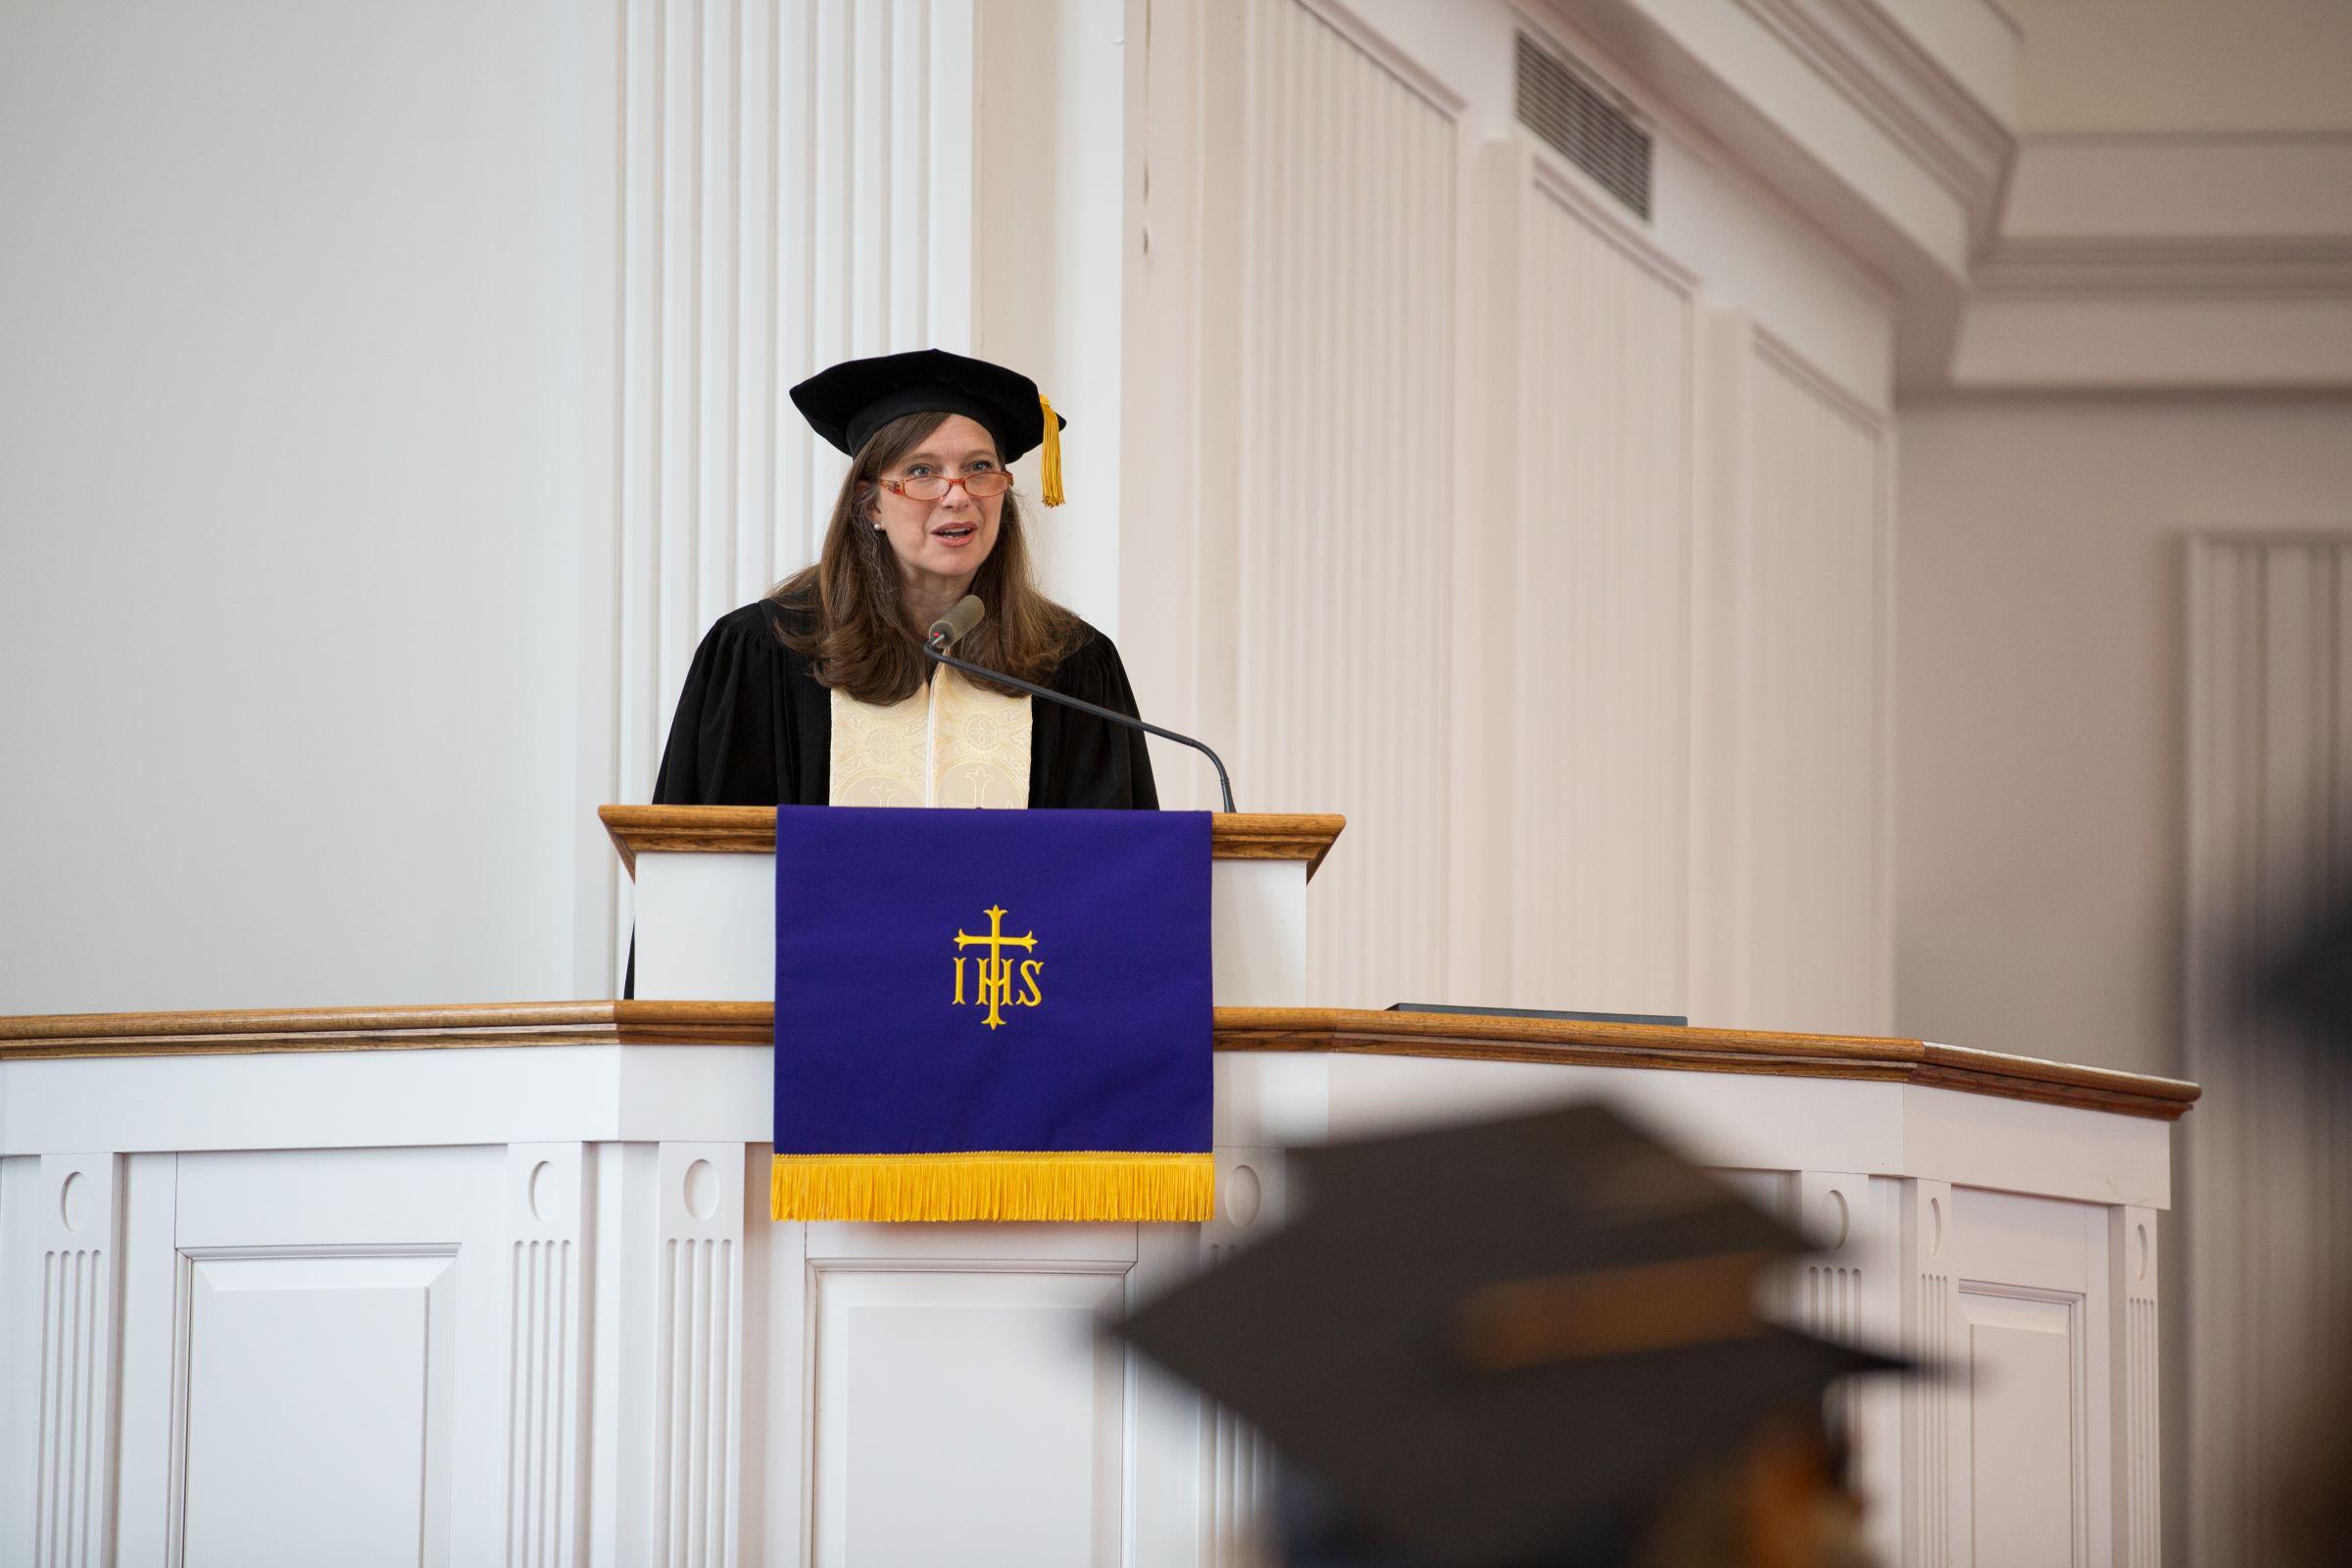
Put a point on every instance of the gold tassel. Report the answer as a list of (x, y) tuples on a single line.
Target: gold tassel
[(1051, 461), (992, 1186)]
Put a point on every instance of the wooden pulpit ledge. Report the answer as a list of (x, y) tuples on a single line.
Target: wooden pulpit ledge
[(751, 829)]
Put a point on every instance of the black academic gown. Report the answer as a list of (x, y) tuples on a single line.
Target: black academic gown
[(754, 728)]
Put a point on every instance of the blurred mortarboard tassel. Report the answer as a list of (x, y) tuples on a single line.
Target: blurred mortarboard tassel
[(1498, 1343)]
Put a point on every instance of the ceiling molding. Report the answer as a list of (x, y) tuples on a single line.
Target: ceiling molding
[(1908, 92), (2154, 138), (2222, 268), (2166, 262), (2168, 185), (2153, 344)]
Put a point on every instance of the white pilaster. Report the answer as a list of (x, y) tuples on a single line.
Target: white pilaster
[(1929, 1299), (546, 1209), (2134, 1374), (697, 1363), (76, 1226)]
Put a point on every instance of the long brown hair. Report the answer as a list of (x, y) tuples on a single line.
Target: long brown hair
[(850, 620)]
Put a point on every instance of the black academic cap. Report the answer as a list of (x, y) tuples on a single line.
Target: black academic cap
[(849, 403), (1498, 1341), (2312, 984)]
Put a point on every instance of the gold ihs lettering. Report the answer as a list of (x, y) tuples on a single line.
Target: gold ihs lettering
[(993, 977)]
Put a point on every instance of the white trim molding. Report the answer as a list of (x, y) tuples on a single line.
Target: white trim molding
[(1959, 132), (2167, 261)]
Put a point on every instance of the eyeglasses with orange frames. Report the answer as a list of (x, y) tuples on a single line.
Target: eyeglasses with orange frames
[(931, 486)]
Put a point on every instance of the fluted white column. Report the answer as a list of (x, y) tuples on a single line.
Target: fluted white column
[(60, 1427), (790, 184), (547, 1368), (698, 1356)]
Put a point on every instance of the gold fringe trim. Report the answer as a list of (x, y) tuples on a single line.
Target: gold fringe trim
[(1051, 463), (988, 1185)]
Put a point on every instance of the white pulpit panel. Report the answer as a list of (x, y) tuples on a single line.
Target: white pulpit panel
[(2030, 1465), (706, 929), (1257, 933), (319, 1409), (336, 1387), (2023, 1432), (994, 1388)]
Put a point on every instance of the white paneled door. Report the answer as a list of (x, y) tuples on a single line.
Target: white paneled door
[(2031, 1463), (993, 1381), (318, 1406), (335, 1382)]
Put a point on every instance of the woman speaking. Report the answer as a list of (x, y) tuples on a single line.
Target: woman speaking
[(820, 693)]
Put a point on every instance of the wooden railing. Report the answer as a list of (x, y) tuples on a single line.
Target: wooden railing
[(1336, 1030)]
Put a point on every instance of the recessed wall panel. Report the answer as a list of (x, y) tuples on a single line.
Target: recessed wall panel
[(1810, 877), (1340, 576), (1601, 712)]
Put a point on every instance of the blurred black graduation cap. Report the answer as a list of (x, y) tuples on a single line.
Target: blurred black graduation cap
[(848, 403), (1500, 1343), (2313, 982)]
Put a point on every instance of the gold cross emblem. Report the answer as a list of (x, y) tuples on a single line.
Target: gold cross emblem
[(996, 971)]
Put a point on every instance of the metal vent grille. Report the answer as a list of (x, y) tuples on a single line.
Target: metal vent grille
[(1584, 125)]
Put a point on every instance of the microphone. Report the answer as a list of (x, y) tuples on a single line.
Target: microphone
[(958, 622)]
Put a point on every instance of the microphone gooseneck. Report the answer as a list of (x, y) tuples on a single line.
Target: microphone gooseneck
[(966, 614)]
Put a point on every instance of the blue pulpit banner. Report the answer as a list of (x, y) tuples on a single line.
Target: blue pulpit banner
[(992, 1016)]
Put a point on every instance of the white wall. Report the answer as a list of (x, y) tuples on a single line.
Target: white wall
[(1048, 261), (2041, 792), (2038, 807), (289, 457)]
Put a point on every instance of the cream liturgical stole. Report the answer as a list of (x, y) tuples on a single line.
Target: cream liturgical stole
[(949, 744)]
